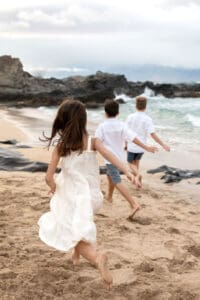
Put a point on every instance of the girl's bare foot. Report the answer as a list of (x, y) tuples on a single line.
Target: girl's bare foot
[(75, 257), (102, 266)]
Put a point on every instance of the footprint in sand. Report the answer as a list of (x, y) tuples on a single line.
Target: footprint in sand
[(101, 215), (83, 279), (170, 244), (2, 213), (118, 266), (194, 250), (125, 229), (6, 273), (148, 293), (173, 230), (181, 201), (172, 217), (194, 213), (141, 220), (185, 295), (146, 266)]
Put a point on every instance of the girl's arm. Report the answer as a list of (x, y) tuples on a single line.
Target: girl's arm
[(49, 178), (112, 158)]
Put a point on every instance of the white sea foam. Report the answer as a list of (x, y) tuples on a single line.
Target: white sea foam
[(148, 92), (124, 97), (194, 120), (162, 127)]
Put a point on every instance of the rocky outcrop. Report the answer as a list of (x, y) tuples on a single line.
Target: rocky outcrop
[(18, 87), (166, 89), (174, 174), (13, 161), (25, 89)]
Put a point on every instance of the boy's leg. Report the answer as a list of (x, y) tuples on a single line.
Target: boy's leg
[(134, 161), (111, 188), (125, 193), (134, 166), (114, 174), (89, 252)]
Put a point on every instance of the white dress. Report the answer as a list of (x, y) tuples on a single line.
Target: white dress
[(76, 199)]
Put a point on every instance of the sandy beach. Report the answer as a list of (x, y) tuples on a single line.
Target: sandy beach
[(156, 256)]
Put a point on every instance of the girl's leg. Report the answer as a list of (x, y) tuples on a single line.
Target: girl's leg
[(75, 257), (89, 252), (111, 188)]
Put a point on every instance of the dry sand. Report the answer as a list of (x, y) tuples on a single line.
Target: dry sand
[(157, 256)]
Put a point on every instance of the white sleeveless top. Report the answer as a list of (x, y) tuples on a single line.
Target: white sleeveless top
[(76, 199)]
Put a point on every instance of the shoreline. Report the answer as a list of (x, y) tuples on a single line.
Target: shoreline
[(14, 130)]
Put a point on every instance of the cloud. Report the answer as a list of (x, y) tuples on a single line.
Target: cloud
[(177, 3), (102, 33), (97, 17), (81, 17)]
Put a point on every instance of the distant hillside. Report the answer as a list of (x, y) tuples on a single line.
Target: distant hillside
[(157, 73)]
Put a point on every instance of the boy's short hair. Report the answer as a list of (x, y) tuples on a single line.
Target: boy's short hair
[(111, 107), (141, 102)]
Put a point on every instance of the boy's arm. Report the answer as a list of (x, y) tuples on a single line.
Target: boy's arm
[(125, 145), (112, 158), (130, 135), (128, 125), (158, 140), (49, 178), (145, 147), (99, 133)]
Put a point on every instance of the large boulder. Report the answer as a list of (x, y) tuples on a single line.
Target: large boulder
[(96, 88), (11, 74)]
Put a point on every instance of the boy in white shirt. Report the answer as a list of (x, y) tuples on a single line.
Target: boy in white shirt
[(113, 133), (143, 125)]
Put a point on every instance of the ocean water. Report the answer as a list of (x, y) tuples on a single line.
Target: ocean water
[(177, 121)]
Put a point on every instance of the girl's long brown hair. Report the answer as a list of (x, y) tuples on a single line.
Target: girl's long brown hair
[(70, 126)]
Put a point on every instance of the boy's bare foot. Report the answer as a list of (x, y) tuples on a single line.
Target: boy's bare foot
[(134, 210), (138, 181), (103, 269), (109, 198), (75, 257)]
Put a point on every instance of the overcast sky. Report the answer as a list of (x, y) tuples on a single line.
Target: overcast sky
[(94, 34)]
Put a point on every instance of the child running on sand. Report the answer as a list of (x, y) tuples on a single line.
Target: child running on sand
[(143, 125), (76, 190), (113, 133)]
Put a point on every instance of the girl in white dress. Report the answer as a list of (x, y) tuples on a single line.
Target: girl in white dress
[(76, 190)]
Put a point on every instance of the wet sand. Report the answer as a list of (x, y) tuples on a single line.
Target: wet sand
[(156, 256)]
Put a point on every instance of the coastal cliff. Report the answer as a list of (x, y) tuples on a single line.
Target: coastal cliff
[(18, 87)]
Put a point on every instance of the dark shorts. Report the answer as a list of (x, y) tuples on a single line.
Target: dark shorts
[(133, 156), (114, 173)]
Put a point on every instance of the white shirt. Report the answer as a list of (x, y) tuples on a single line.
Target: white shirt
[(113, 133), (143, 126)]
